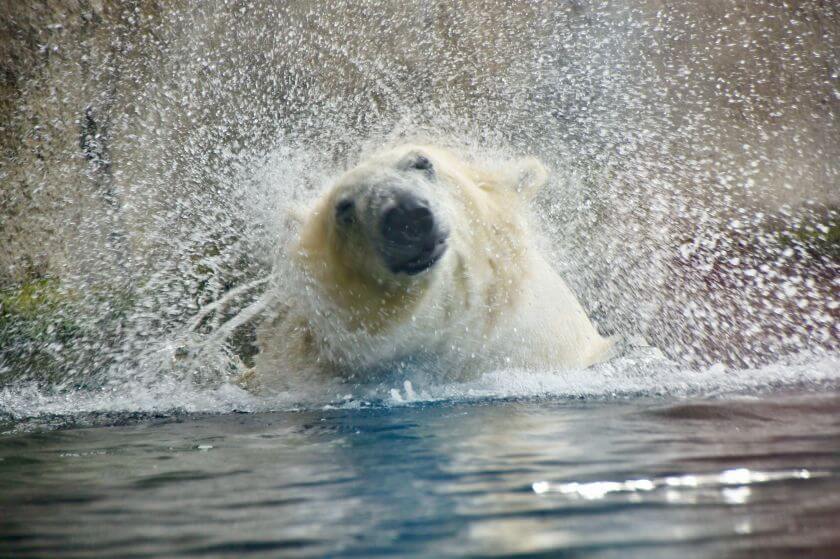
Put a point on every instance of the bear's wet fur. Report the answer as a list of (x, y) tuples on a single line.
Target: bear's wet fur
[(416, 255)]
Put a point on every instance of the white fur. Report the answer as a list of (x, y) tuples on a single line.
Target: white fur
[(492, 300)]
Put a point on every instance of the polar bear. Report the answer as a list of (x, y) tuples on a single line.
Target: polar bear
[(418, 256)]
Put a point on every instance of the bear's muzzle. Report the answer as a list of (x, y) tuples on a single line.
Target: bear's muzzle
[(412, 238)]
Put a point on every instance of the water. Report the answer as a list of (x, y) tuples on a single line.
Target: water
[(733, 476), (153, 153)]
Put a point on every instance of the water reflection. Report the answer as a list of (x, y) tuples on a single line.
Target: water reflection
[(738, 476), (431, 480)]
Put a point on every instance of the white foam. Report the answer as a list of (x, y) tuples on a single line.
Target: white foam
[(626, 377)]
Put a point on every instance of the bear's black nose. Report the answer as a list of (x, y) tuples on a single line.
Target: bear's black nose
[(412, 240), (408, 222)]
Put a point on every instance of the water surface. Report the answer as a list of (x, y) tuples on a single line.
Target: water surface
[(727, 476)]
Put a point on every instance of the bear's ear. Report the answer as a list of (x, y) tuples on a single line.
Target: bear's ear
[(528, 176)]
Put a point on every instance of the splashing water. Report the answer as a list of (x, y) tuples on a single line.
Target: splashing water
[(693, 199)]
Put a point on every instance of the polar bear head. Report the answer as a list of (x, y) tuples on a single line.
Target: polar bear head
[(377, 238)]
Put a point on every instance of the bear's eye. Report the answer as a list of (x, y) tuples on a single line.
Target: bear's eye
[(345, 212), (421, 163)]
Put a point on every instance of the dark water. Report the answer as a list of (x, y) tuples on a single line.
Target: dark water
[(735, 476)]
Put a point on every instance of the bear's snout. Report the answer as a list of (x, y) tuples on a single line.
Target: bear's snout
[(413, 240)]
